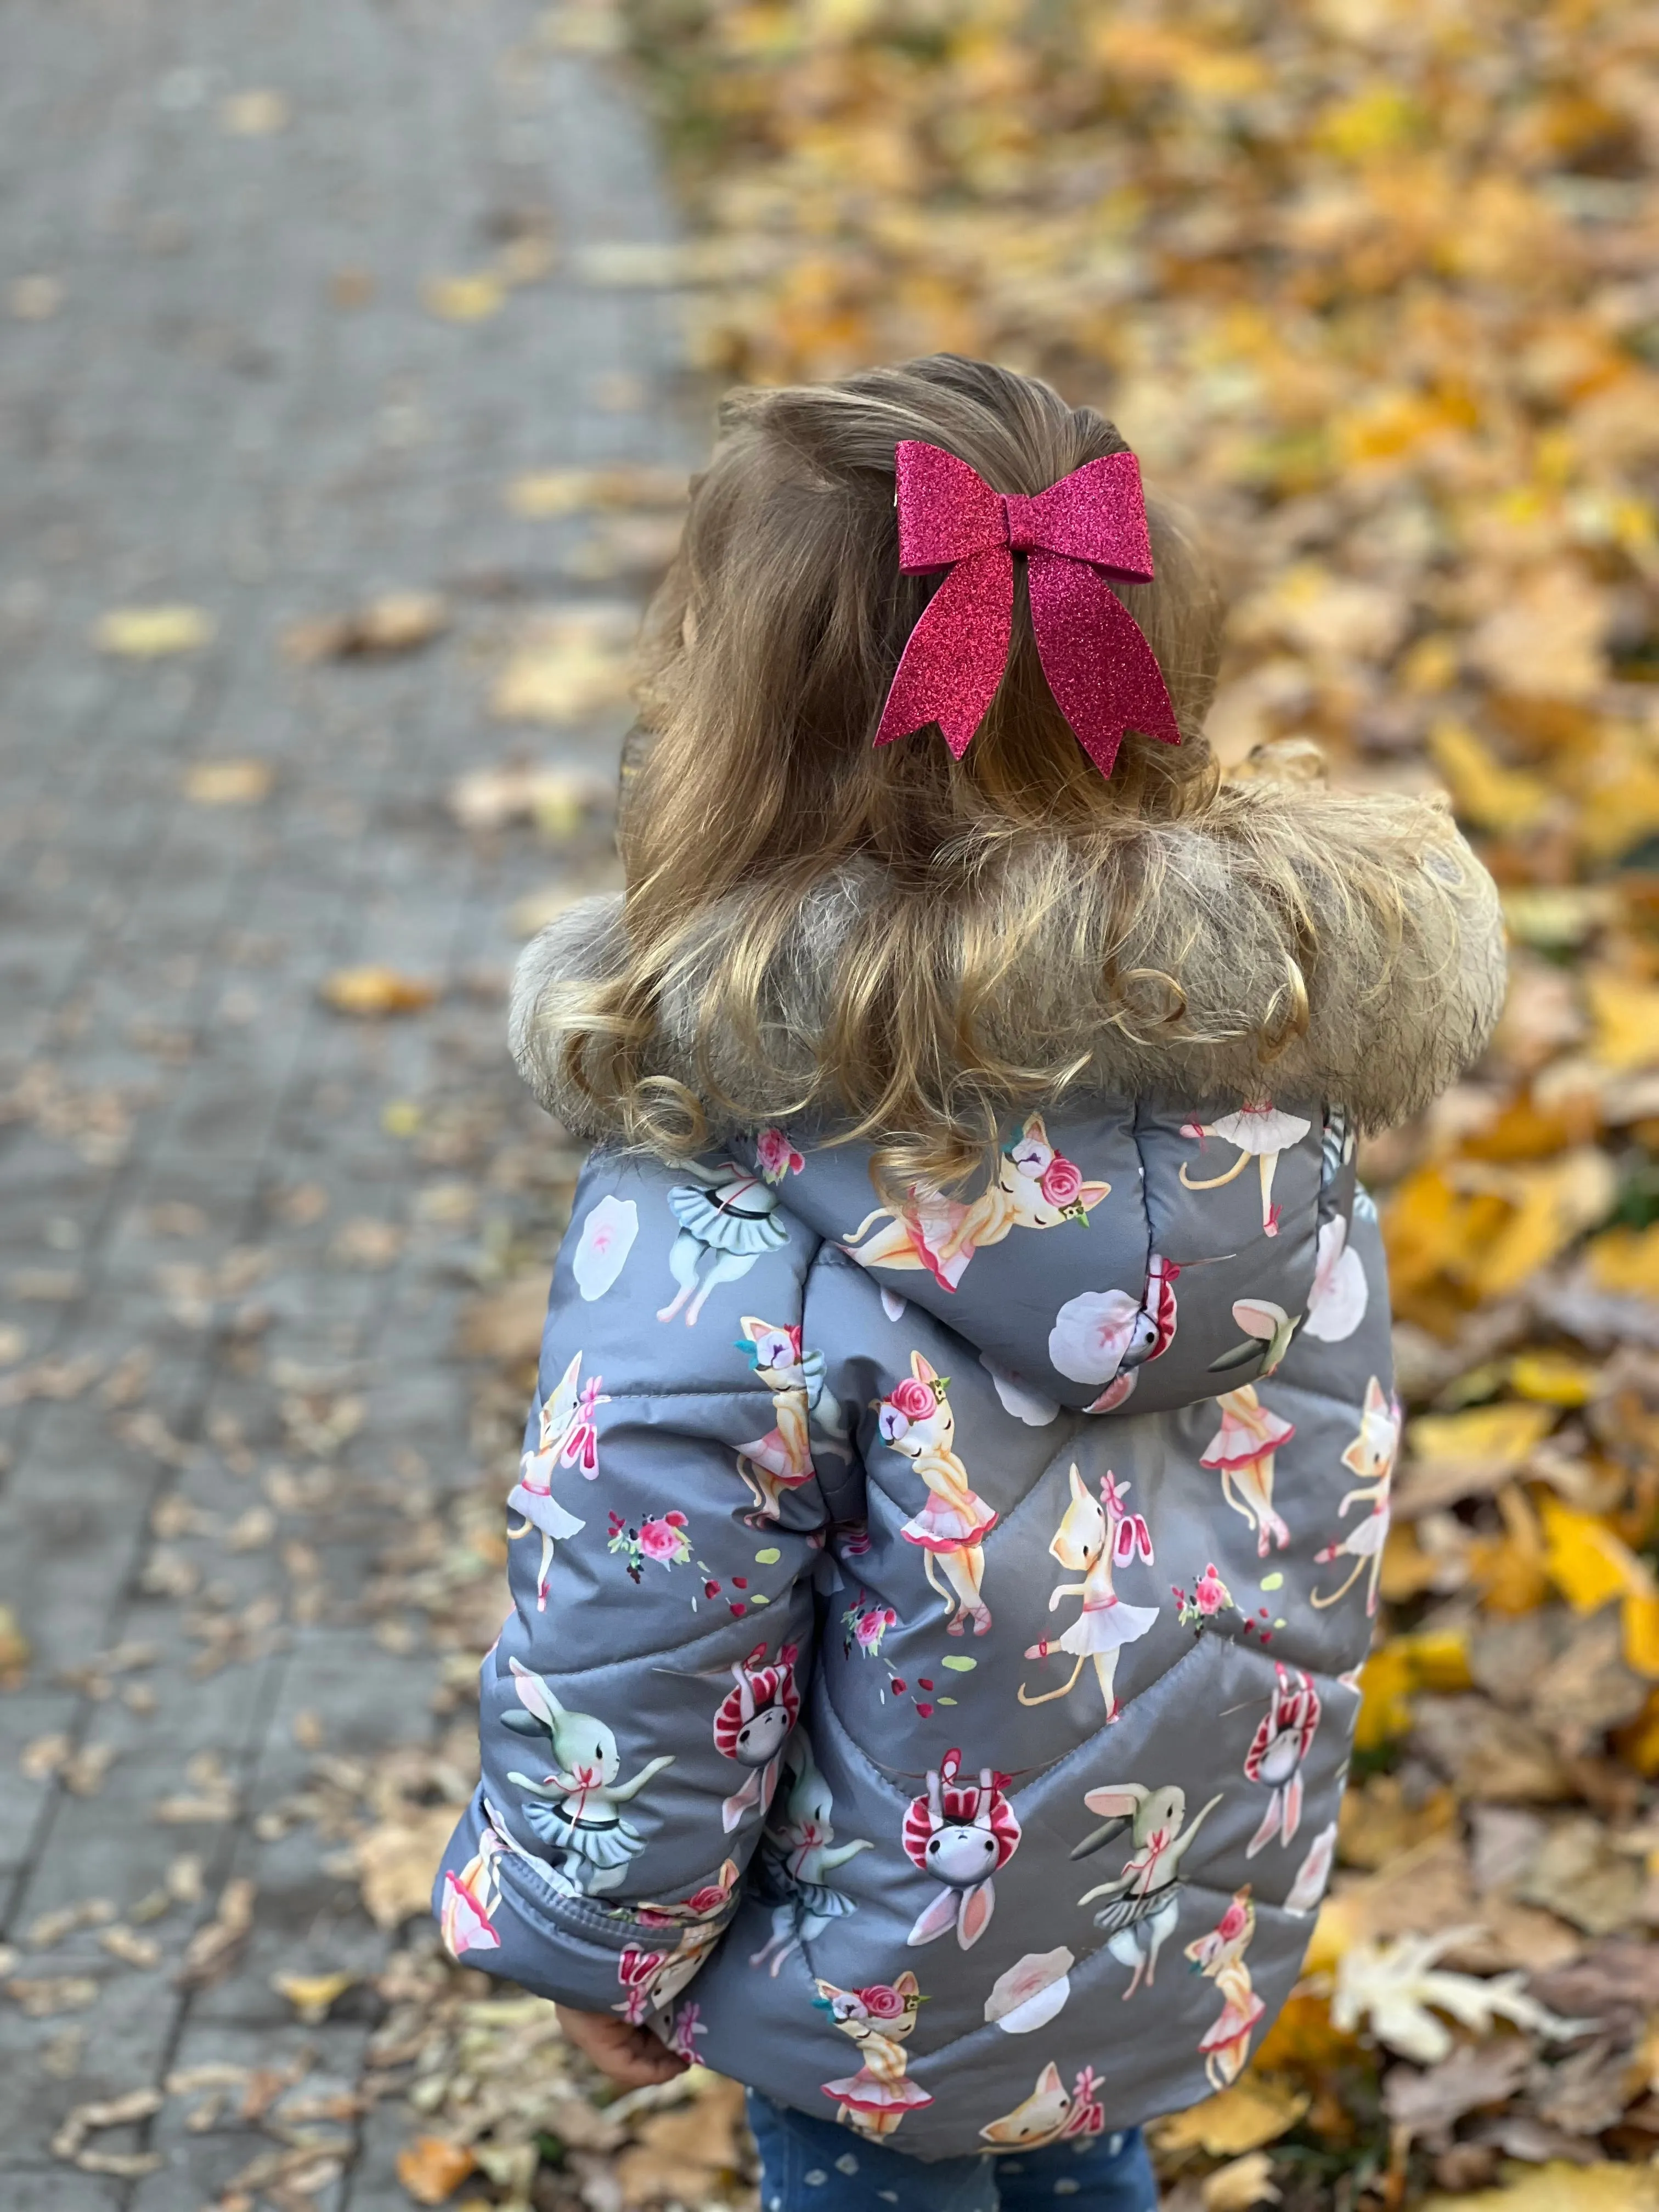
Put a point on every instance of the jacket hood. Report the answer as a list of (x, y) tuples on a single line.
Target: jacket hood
[(1394, 926)]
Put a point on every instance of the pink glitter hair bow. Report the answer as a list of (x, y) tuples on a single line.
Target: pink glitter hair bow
[(1090, 525)]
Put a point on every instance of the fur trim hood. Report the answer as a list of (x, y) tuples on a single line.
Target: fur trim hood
[(1394, 925)]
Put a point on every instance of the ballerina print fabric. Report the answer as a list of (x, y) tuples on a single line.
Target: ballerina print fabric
[(934, 1632)]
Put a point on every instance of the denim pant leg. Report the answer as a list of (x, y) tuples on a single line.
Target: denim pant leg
[(813, 2165), (1100, 2173)]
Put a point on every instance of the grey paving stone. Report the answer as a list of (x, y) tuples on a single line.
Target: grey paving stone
[(202, 422)]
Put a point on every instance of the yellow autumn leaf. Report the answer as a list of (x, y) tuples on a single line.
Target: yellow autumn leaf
[(1639, 1624), (1491, 1441), (1385, 1688), (311, 1994), (1585, 1560), (1625, 1261), (1257, 2109), (1553, 1378), (1626, 1015), (149, 633), (1561, 2186), (465, 299), (1551, 1204), (1504, 800)]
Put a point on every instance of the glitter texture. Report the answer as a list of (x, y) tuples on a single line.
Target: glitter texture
[(1104, 676)]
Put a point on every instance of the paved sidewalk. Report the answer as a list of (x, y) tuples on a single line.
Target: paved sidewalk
[(236, 1229)]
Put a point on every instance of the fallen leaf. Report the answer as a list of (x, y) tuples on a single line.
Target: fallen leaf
[(229, 782), (470, 299), (259, 114), (371, 992), (1588, 1563), (1469, 2077), (570, 491), (506, 1325), (149, 633), (403, 622), (213, 1950), (431, 2169), (40, 1998), (1256, 2109), (16, 1650), (1508, 801), (311, 1994), (1236, 2187), (397, 1863), (567, 668), (1400, 1988), (558, 800), (1455, 1455), (1562, 2188)]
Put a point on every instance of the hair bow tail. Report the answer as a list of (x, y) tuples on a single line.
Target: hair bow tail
[(1104, 676), (957, 653)]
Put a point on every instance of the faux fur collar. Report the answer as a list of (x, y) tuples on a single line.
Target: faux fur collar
[(1399, 937)]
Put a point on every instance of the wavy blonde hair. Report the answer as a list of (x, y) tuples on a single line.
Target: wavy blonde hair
[(758, 795)]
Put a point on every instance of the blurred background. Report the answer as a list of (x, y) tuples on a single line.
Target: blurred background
[(352, 359)]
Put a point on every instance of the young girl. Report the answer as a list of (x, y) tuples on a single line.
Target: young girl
[(938, 904)]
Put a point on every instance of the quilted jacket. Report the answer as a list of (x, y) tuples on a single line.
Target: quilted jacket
[(933, 1651)]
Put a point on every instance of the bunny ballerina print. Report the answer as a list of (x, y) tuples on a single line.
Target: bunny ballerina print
[(728, 1217), (752, 1725), (1242, 1451), (1370, 1457), (1144, 1900), (1091, 1538), (1219, 1956), (962, 1834), (797, 1852), (1037, 1188), (916, 1420), (1262, 1133), (568, 1437), (1278, 1751), (879, 2020), (574, 1806)]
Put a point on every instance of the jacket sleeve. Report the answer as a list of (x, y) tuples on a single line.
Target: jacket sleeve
[(662, 1542)]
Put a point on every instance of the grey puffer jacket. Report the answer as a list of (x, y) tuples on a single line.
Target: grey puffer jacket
[(933, 1655)]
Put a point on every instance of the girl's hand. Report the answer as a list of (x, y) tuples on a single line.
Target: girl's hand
[(632, 2057)]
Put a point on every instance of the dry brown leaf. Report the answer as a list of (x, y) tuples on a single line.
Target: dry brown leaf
[(403, 622), (213, 1950), (431, 2169), (397, 1863), (567, 668), (506, 1325), (569, 491), (372, 991), (229, 782), (1244, 2182)]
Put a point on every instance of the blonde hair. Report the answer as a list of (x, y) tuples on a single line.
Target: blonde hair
[(758, 795)]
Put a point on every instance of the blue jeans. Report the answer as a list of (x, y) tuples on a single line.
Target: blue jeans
[(811, 2164)]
